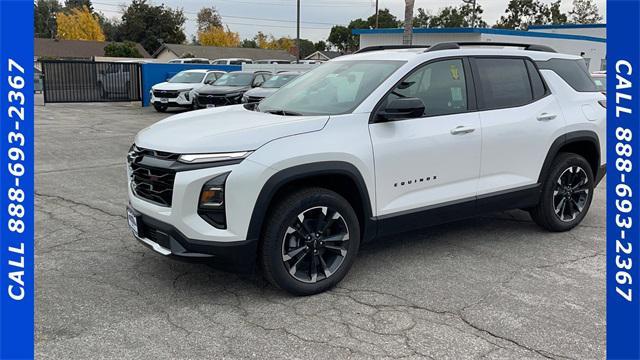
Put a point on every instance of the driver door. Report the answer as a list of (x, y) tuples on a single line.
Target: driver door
[(430, 161)]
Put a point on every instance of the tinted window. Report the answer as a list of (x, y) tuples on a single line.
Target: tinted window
[(502, 83), (235, 79), (574, 72), (333, 88), (441, 86), (537, 84), (187, 77)]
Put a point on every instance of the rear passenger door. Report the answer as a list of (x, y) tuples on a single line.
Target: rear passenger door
[(520, 119)]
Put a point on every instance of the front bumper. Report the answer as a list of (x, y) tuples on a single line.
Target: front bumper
[(184, 99), (165, 239)]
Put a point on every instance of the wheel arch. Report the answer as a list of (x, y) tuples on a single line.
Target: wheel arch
[(342, 177), (583, 142)]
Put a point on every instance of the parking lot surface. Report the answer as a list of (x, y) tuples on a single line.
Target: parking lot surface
[(495, 287)]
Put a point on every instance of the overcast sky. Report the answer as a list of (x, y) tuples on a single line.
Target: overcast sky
[(317, 16)]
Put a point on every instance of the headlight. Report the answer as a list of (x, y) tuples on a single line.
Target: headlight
[(245, 99), (211, 205), (214, 157), (186, 95)]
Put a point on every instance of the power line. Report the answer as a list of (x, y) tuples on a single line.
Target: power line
[(240, 17)]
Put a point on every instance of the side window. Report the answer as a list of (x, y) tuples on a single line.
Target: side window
[(574, 72), (440, 85), (537, 84), (502, 83), (211, 77)]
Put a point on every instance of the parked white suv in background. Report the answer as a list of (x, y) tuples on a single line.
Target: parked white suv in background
[(368, 145), (179, 90)]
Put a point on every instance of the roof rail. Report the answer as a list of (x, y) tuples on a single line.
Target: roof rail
[(390, 47), (457, 45)]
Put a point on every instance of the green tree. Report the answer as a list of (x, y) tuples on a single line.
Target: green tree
[(44, 17), (123, 49), (522, 13), (460, 16), (340, 37), (320, 46), (422, 19), (585, 12), (72, 4), (552, 14), (208, 17), (385, 20), (306, 48), (151, 25), (248, 43)]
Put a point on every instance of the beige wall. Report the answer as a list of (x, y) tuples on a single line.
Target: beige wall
[(166, 55)]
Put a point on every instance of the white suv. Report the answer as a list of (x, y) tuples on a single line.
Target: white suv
[(179, 90), (368, 145)]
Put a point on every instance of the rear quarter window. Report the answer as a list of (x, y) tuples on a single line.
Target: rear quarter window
[(573, 72)]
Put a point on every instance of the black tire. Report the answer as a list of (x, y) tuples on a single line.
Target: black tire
[(316, 205), (565, 198), (160, 108)]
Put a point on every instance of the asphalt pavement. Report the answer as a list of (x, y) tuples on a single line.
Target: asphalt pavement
[(495, 287)]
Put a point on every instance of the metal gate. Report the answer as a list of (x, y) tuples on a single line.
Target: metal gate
[(88, 81)]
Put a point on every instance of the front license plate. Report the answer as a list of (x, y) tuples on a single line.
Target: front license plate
[(164, 100), (133, 221)]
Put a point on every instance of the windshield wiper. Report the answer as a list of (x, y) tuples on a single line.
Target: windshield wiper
[(283, 112)]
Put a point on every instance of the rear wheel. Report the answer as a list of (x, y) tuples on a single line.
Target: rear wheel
[(310, 241), (566, 193)]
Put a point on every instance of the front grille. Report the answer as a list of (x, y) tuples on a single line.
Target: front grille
[(169, 94), (213, 100), (149, 180)]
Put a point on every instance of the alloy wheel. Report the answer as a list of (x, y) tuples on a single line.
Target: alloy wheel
[(315, 244), (571, 193)]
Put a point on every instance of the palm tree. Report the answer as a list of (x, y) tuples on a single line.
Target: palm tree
[(407, 38)]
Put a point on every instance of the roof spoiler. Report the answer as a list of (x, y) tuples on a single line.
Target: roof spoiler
[(457, 45)]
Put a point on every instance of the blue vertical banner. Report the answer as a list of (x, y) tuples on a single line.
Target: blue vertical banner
[(16, 180), (623, 180)]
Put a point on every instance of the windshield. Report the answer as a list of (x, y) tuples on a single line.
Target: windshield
[(278, 81), (187, 77), (237, 79), (330, 89), (601, 83)]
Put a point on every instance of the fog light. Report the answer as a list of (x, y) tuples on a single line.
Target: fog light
[(211, 205), (211, 197)]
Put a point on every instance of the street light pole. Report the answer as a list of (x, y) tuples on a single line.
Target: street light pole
[(298, 34), (376, 14)]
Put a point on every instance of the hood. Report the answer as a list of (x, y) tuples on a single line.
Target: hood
[(174, 86), (223, 129), (221, 90), (261, 92)]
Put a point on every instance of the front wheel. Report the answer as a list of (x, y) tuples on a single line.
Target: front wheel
[(566, 193), (160, 107), (310, 241)]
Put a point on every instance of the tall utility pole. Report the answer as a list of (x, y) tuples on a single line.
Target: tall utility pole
[(298, 34), (376, 14)]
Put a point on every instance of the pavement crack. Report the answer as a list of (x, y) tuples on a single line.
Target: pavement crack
[(74, 202)]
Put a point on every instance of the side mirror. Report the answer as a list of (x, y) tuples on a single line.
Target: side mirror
[(402, 108)]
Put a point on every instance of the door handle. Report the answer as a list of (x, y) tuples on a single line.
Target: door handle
[(546, 117), (461, 130)]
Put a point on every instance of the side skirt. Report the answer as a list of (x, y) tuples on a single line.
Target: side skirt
[(519, 198)]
